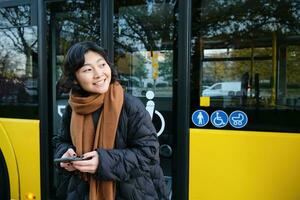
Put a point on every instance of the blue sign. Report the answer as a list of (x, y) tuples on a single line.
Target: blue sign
[(219, 118), (238, 119), (200, 118)]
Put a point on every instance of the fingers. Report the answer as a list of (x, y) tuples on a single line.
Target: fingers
[(68, 166), (90, 165), (90, 154), (71, 152)]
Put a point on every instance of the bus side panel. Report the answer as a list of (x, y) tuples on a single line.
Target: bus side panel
[(235, 165), (11, 162), (23, 142)]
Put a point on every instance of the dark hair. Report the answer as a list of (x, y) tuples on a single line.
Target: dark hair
[(74, 60)]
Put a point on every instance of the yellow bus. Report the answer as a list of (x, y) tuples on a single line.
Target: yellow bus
[(220, 79)]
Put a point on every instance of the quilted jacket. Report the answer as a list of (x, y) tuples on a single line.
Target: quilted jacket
[(133, 164)]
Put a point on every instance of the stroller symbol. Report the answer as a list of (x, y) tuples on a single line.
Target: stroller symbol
[(238, 119)]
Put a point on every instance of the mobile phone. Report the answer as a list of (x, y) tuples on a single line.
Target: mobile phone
[(70, 159)]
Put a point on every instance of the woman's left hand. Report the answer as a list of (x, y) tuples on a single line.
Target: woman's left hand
[(90, 165)]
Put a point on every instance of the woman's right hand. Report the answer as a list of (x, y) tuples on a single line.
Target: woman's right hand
[(66, 165)]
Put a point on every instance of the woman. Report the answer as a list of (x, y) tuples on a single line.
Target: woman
[(111, 129)]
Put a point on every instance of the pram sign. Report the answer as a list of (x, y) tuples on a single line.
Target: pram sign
[(238, 119)]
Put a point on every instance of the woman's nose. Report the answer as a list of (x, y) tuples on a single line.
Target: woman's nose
[(97, 73)]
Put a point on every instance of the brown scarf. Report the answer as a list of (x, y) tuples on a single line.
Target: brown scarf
[(86, 139)]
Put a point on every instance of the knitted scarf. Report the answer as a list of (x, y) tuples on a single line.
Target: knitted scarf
[(86, 138)]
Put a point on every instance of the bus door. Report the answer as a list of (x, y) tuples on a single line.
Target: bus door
[(245, 101), (144, 53)]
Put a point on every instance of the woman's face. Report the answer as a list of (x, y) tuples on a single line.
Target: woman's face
[(95, 74)]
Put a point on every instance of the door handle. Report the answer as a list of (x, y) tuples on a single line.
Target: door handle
[(165, 150)]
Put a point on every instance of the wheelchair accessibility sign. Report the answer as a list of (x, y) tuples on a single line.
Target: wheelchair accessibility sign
[(219, 119), (238, 119), (200, 118)]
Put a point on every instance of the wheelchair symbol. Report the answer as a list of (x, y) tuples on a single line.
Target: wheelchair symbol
[(218, 121), (150, 107), (219, 118)]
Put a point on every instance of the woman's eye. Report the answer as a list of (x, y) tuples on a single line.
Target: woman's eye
[(102, 65), (87, 70)]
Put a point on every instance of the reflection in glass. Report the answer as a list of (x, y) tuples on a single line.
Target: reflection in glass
[(18, 73), (70, 22), (143, 48), (233, 44), (18, 66), (141, 71), (18, 16), (292, 90)]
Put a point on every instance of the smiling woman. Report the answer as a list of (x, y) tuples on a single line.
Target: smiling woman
[(111, 128)]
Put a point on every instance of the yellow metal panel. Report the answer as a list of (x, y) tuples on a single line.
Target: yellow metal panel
[(11, 162), (244, 165), (24, 138)]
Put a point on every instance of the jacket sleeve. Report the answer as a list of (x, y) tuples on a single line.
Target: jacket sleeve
[(62, 140), (141, 151)]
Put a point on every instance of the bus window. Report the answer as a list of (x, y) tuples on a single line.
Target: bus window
[(242, 63), (18, 63)]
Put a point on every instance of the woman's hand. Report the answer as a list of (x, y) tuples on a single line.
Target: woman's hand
[(66, 165), (89, 165)]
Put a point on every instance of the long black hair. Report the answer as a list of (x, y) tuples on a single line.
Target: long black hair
[(74, 60)]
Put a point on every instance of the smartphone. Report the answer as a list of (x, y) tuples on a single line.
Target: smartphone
[(70, 159)]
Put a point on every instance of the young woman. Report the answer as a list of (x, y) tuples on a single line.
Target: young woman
[(109, 128)]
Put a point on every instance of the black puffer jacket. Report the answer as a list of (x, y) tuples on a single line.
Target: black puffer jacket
[(133, 164)]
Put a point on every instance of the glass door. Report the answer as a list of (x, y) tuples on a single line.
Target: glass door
[(144, 46)]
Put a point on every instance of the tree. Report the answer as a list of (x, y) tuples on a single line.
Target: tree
[(20, 37), (75, 21), (138, 66), (148, 27), (166, 66), (238, 26)]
